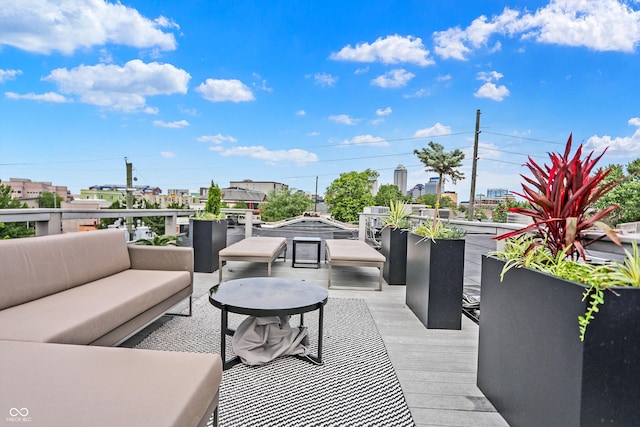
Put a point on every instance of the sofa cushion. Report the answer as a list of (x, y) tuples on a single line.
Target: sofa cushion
[(35, 267), (85, 313), (63, 385)]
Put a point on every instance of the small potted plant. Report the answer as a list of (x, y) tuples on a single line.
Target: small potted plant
[(208, 233), (394, 243), (537, 361), (435, 274)]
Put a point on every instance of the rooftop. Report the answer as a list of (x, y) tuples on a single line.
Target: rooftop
[(436, 368)]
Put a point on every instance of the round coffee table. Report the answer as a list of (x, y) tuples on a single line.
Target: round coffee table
[(267, 296)]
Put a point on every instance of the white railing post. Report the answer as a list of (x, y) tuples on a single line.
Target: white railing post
[(248, 224)]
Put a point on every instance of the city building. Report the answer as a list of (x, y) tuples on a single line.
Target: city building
[(263, 186), (241, 196), (29, 191), (498, 193), (400, 178), (431, 187), (417, 191)]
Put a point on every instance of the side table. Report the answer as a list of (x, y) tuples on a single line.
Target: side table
[(306, 241)]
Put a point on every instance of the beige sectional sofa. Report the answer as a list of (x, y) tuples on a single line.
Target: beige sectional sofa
[(92, 288)]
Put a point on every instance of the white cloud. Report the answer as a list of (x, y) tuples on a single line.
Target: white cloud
[(366, 140), (217, 139), (294, 155), (603, 25), (167, 154), (120, 88), (385, 112), (436, 130), (43, 97), (619, 146), (46, 26), (301, 113), (362, 70), (225, 90), (6, 75), (323, 79), (420, 93), (262, 84), (172, 125), (343, 119), (316, 133), (445, 78), (491, 91), (393, 79), (388, 50), (489, 76)]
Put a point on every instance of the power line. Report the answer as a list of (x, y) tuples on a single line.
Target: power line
[(524, 137)]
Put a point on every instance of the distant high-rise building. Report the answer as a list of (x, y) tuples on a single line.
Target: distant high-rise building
[(431, 187), (400, 178)]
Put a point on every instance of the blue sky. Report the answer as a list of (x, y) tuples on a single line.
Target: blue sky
[(199, 90)]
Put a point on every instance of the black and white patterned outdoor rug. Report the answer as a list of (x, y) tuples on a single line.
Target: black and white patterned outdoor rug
[(356, 385)]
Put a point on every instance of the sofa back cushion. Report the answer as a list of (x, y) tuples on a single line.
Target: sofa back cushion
[(35, 267)]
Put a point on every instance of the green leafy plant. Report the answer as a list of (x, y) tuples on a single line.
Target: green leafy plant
[(561, 197), (159, 241), (398, 215), (212, 208), (438, 230)]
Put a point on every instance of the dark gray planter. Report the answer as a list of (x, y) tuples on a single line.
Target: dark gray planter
[(207, 238), (435, 275), (531, 363), (394, 248)]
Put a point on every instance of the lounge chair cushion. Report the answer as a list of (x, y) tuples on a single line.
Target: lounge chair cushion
[(255, 248)]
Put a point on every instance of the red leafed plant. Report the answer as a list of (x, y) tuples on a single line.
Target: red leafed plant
[(561, 196)]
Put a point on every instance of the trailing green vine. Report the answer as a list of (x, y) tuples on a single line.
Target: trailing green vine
[(596, 296)]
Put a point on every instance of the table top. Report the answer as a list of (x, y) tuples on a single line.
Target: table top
[(268, 296), (307, 239)]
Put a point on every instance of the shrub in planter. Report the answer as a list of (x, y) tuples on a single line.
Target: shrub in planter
[(208, 233), (435, 275), (538, 363), (394, 243)]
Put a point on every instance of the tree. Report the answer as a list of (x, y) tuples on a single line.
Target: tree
[(435, 159), (430, 200), (12, 230), (214, 199), (347, 195), (49, 200), (626, 194), (386, 194), (502, 208), (285, 204)]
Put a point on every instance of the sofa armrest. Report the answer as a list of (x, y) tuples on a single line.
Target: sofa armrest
[(171, 258)]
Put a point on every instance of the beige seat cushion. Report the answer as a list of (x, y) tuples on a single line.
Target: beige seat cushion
[(85, 313), (69, 385), (352, 250), (255, 248)]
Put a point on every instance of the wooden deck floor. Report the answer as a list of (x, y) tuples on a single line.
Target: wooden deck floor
[(436, 368)]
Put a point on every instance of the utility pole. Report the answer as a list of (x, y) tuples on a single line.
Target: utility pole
[(472, 196), (129, 196), (315, 197)]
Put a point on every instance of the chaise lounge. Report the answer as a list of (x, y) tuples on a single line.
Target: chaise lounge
[(345, 252), (254, 249)]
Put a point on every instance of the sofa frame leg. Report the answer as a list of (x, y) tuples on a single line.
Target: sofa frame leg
[(190, 310)]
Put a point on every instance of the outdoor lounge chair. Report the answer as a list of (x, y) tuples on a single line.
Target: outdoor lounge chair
[(345, 252), (254, 249)]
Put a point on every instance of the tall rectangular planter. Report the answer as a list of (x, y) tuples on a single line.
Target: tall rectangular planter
[(394, 248), (435, 276), (532, 365), (207, 238)]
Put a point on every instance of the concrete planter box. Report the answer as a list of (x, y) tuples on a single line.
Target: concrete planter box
[(435, 275), (531, 363), (207, 238), (394, 248)]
